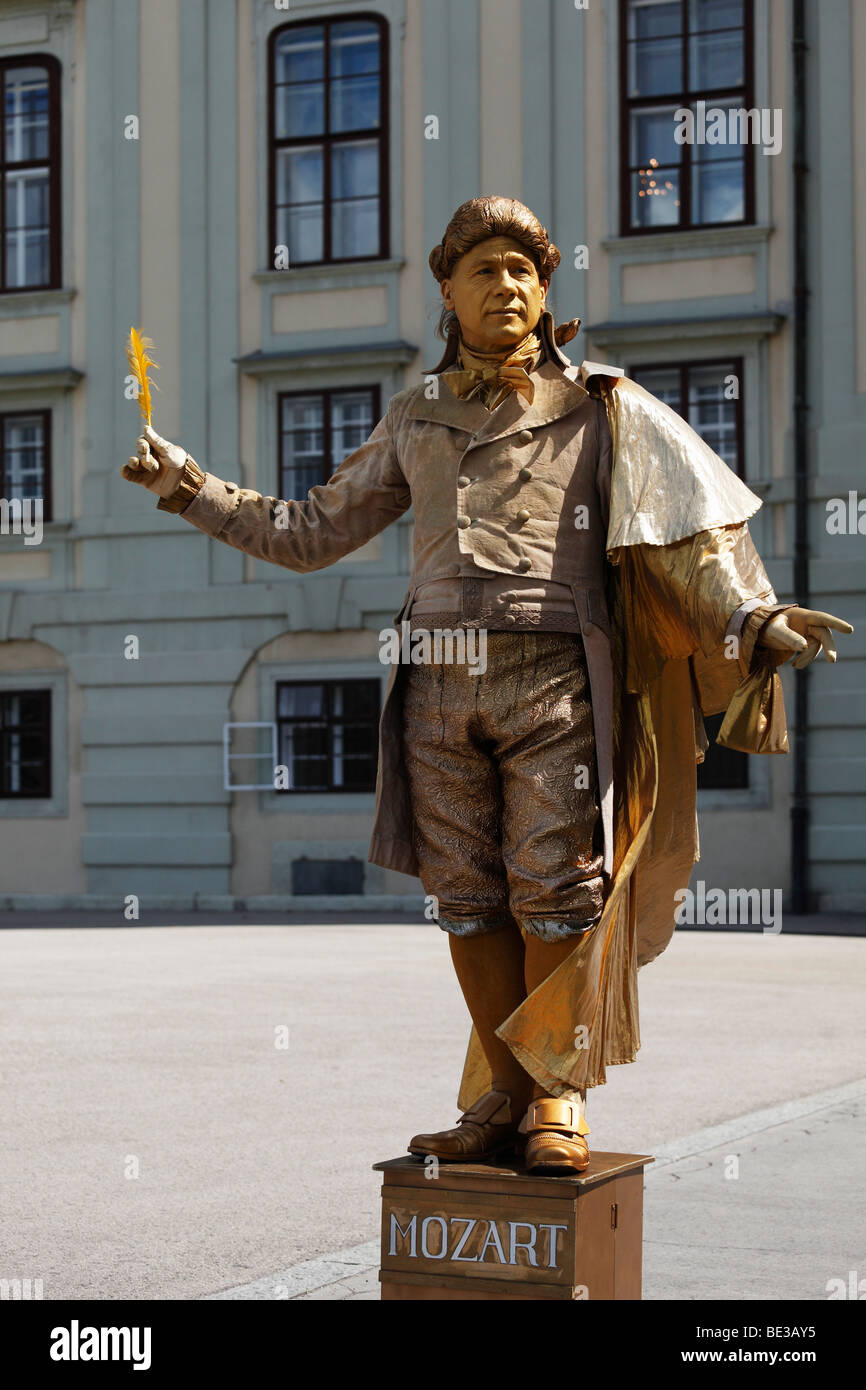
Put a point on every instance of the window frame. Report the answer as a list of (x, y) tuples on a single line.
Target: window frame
[(327, 683), (47, 730), (684, 366), (46, 413), (683, 98), (328, 140), (326, 393), (55, 213)]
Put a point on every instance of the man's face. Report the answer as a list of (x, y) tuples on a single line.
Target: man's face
[(496, 294)]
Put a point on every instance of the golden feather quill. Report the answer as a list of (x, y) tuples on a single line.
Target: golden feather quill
[(136, 355)]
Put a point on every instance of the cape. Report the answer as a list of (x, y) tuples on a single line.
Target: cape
[(679, 556)]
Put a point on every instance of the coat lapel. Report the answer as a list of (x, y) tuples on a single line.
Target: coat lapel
[(556, 395)]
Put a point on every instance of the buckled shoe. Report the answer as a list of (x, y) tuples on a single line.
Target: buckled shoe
[(486, 1129), (555, 1130)]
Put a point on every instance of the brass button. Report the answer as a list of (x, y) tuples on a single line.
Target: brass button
[(453, 569), (463, 522), (509, 618), (525, 436), (524, 564), (522, 515), (463, 481), (525, 474)]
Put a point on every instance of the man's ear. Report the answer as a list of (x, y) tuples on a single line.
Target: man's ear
[(545, 286), (445, 289)]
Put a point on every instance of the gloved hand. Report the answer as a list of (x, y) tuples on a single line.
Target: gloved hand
[(804, 631), (158, 465)]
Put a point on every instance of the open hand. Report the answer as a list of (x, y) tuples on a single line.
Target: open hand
[(804, 631), (158, 465)]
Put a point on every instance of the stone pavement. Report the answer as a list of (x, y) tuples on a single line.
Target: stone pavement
[(188, 1110), (767, 1206)]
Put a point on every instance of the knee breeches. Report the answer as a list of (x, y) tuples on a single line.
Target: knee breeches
[(503, 786)]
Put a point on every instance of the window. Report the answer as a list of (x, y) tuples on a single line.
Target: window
[(30, 173), (703, 394), (327, 734), (25, 743), (317, 430), (675, 54), (328, 139), (25, 447), (709, 395)]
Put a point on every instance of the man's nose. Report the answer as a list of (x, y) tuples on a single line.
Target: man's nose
[(507, 284)]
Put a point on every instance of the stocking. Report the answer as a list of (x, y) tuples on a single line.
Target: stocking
[(542, 958), (490, 971)]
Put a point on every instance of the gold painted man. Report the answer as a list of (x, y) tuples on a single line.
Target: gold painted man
[(547, 802)]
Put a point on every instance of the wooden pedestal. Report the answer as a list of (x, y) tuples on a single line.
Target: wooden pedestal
[(492, 1230)]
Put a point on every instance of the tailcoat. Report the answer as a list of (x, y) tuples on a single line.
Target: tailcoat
[(654, 547)]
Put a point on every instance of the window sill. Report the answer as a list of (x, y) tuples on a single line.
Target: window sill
[(341, 269), (13, 301), (697, 238)]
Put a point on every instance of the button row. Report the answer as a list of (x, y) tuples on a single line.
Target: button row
[(522, 565)]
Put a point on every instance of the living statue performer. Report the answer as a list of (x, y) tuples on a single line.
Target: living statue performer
[(547, 802)]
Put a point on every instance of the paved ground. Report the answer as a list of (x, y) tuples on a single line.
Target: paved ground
[(157, 1142)]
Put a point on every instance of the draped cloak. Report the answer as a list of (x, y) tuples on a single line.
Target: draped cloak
[(678, 553)]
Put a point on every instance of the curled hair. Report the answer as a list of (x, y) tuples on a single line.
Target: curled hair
[(476, 221)]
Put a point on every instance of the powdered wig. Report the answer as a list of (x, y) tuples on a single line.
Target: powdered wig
[(480, 219)]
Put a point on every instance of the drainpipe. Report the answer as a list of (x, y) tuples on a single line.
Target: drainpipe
[(800, 897)]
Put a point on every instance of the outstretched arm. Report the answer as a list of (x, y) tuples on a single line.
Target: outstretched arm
[(366, 493)]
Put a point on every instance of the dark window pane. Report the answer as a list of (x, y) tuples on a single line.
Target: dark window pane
[(655, 67), (714, 14), (355, 103), (652, 138), (299, 701), (354, 48), (26, 115), (300, 54), (300, 175), (303, 750), (355, 169), (303, 444), (712, 415), (300, 110), (27, 199), (302, 229), (722, 768), (718, 190), (27, 259), (655, 198), (360, 698), (355, 228), (716, 60), (351, 423), (650, 19), (327, 876), (661, 383)]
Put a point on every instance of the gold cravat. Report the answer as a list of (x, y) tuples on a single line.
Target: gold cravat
[(491, 378)]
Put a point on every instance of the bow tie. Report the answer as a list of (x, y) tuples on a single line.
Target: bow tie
[(493, 381)]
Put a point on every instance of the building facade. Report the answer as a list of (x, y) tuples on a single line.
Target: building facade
[(257, 185)]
